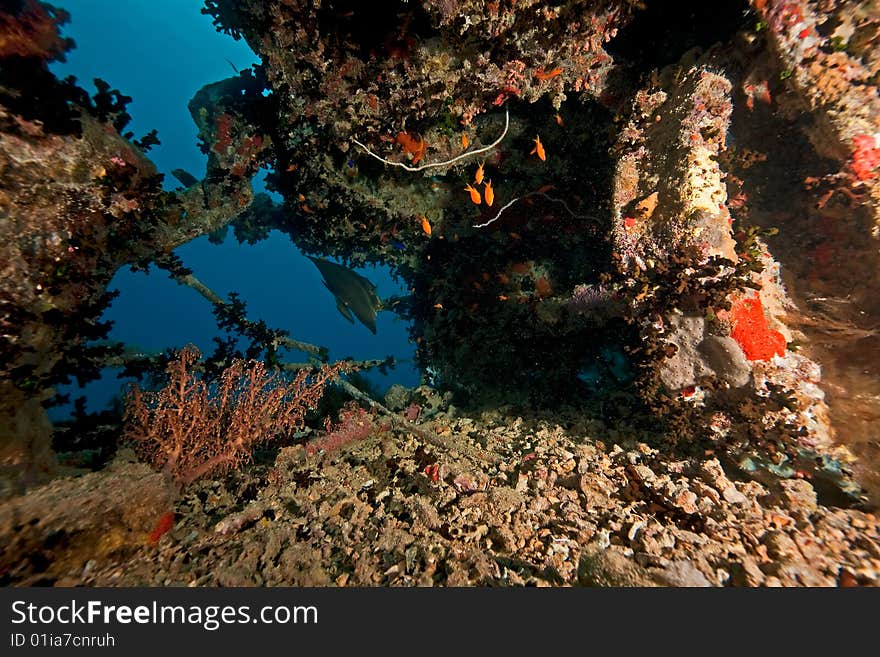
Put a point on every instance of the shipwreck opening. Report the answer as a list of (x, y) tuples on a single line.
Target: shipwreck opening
[(660, 33), (512, 304)]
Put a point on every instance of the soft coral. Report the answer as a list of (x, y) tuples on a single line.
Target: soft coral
[(416, 147), (33, 32), (866, 157)]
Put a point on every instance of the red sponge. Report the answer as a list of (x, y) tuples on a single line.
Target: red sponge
[(750, 330)]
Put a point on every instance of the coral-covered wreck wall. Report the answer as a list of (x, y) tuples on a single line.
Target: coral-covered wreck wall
[(78, 200)]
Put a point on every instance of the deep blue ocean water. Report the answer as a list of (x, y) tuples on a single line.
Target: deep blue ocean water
[(160, 52)]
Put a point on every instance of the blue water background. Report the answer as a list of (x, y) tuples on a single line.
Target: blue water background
[(160, 52)]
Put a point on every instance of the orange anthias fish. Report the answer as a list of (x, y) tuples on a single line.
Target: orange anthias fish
[(475, 195), (478, 176), (539, 149), (425, 225), (464, 140), (541, 74), (163, 526), (488, 193)]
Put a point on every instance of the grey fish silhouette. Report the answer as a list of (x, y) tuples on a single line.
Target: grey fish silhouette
[(354, 293), (185, 177)]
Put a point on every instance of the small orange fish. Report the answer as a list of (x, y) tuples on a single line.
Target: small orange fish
[(438, 306), (559, 120), (541, 74), (425, 225), (539, 149), (163, 526), (502, 297), (478, 176), (488, 193), (464, 140), (475, 195)]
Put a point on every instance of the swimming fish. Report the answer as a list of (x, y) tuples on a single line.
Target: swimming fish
[(539, 148), (426, 226), (185, 177), (475, 195), (541, 74), (478, 176), (354, 294), (488, 193)]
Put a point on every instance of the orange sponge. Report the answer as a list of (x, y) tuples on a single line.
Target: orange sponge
[(750, 330)]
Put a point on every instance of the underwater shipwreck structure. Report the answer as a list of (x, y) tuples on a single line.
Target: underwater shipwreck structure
[(641, 245)]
